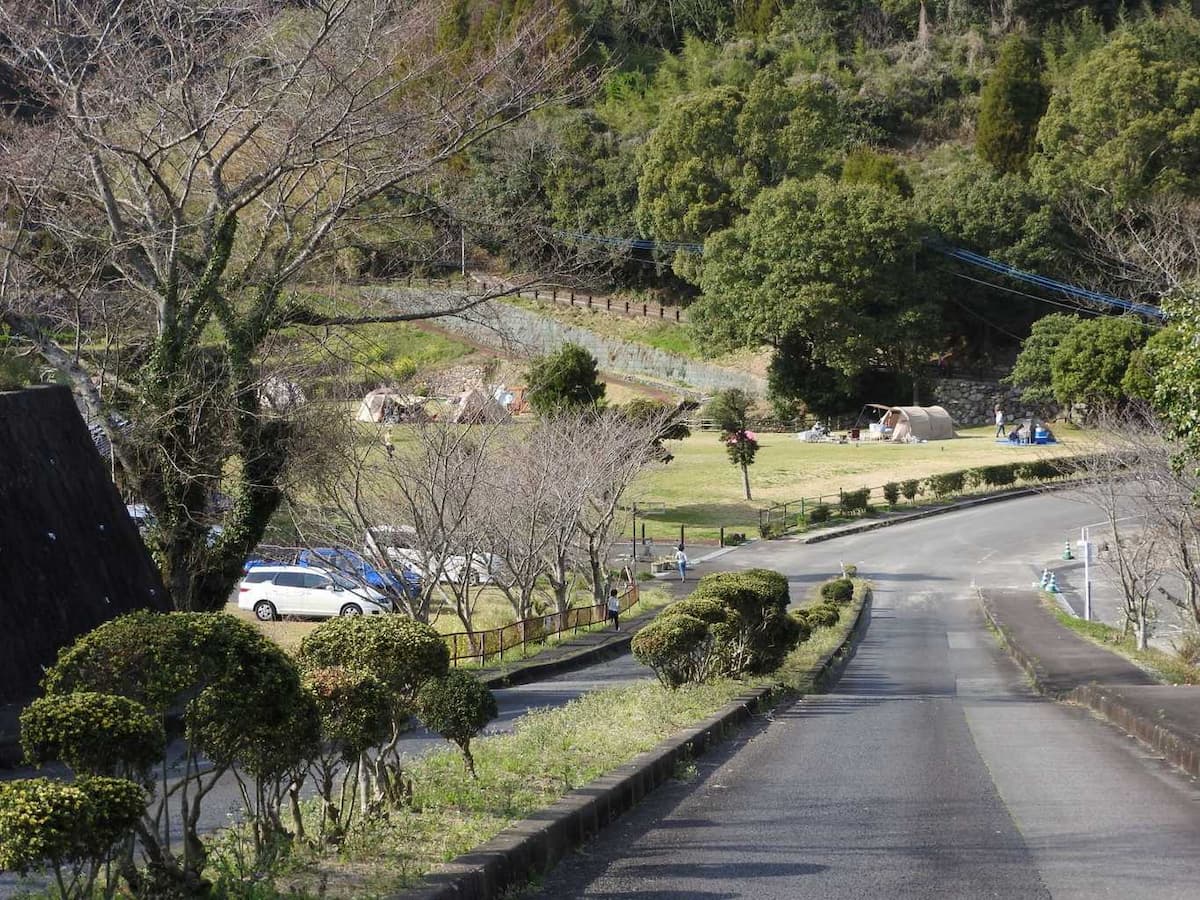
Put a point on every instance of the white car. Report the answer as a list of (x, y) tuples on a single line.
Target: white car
[(274, 591), (395, 543)]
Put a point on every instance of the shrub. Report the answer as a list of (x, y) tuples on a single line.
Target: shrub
[(1043, 469), (839, 590), (998, 476), (354, 709), (910, 489), (676, 648), (457, 706), (757, 633), (803, 626), (401, 653), (946, 484), (819, 513), (853, 502), (823, 615), (94, 734), (891, 493), (71, 828), (707, 609)]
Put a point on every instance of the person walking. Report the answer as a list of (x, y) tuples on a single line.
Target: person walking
[(999, 422), (614, 609), (681, 561)]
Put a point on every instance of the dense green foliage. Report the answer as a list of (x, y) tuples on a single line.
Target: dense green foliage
[(1011, 106), (731, 409), (66, 825), (1032, 372), (734, 623), (1090, 362), (839, 590), (354, 708), (94, 734), (566, 380)]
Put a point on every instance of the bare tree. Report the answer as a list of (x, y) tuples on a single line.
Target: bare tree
[(192, 161), (1115, 481)]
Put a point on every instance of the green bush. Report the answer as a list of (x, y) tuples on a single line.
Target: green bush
[(910, 489), (839, 590), (457, 706), (354, 709), (709, 610), (823, 615), (891, 493), (676, 648), (1043, 469), (803, 626), (998, 475), (854, 502), (92, 733), (947, 484), (819, 513), (71, 828), (401, 653), (756, 633)]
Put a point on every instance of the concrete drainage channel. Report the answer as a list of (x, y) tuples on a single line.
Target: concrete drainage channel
[(535, 845)]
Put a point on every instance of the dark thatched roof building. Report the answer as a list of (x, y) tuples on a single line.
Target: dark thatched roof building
[(70, 556)]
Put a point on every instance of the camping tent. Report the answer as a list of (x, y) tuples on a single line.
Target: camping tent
[(916, 423), (475, 407), (389, 405)]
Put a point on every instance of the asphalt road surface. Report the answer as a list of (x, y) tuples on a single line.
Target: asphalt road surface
[(930, 771)]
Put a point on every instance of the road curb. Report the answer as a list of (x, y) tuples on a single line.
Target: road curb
[(536, 844), (1180, 749), (925, 514)]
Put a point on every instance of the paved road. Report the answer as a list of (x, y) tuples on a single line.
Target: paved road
[(931, 771)]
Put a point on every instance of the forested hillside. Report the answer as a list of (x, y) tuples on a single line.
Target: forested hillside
[(822, 151)]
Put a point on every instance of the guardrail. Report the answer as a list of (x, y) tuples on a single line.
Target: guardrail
[(480, 646)]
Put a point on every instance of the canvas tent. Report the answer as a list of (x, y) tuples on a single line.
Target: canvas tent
[(389, 405), (916, 423), (475, 407)]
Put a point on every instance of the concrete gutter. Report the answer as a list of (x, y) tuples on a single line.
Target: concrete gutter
[(1143, 711), (537, 844)]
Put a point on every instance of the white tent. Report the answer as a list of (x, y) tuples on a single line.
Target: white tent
[(388, 405), (917, 423), (475, 407)]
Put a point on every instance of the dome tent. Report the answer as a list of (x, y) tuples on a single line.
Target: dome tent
[(917, 423)]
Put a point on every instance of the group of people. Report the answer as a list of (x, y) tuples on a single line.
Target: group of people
[(1020, 434)]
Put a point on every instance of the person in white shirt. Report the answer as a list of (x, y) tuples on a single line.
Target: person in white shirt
[(999, 422), (614, 609), (681, 561)]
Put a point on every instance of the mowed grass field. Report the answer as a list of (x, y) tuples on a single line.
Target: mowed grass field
[(703, 491)]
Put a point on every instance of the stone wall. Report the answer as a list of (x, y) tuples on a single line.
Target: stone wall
[(522, 332), (973, 402)]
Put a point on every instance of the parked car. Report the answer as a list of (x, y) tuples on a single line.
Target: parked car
[(274, 591), (406, 584), (396, 543)]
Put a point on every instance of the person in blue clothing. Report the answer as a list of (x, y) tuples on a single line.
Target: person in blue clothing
[(681, 562)]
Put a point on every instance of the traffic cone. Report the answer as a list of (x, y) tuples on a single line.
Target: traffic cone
[(1067, 550), (1045, 579), (1053, 586)]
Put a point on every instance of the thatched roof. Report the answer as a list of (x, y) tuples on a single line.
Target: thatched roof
[(70, 557)]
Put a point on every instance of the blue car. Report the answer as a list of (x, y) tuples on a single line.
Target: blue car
[(354, 565)]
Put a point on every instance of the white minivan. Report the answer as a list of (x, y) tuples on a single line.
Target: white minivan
[(274, 591)]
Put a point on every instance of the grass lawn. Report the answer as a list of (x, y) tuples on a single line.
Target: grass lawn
[(702, 490)]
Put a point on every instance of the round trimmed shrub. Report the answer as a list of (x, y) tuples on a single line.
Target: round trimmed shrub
[(59, 824), (401, 653), (457, 706), (93, 733), (354, 708), (803, 626), (910, 488), (891, 493), (839, 590), (705, 608), (819, 513), (675, 647), (823, 615)]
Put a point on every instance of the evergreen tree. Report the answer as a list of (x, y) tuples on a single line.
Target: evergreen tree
[(1011, 105), (567, 379)]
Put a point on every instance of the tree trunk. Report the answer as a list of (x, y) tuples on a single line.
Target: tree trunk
[(746, 481)]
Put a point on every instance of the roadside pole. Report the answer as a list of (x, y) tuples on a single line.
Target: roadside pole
[(1087, 573)]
